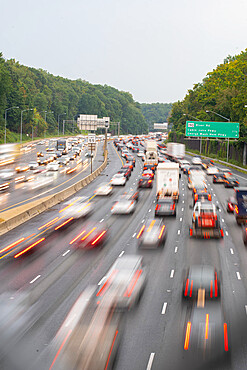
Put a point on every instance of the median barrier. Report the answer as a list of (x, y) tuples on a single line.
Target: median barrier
[(11, 220)]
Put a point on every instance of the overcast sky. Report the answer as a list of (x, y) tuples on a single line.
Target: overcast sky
[(155, 49)]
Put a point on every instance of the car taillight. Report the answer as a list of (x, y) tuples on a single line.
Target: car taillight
[(209, 197), (157, 208), (149, 181), (172, 207), (236, 209)]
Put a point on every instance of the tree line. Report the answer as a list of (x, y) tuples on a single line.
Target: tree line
[(45, 98)]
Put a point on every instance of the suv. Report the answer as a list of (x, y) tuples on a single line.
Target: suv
[(205, 221)]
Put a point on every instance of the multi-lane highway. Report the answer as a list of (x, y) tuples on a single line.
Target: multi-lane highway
[(153, 332)]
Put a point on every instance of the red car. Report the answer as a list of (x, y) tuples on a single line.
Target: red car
[(90, 236)]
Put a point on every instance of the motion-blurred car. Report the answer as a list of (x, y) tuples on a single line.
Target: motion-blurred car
[(147, 166), (152, 235), (41, 181), (218, 178), (22, 167), (91, 235), (7, 174), (53, 166), (75, 209), (207, 337), (230, 204), (140, 153), (131, 194), (33, 165), (126, 280), (201, 283), (196, 160), (118, 180), (201, 195), (130, 159), (145, 182), (104, 189), (149, 174), (4, 185), (126, 172), (40, 154), (123, 207), (231, 182), (206, 221), (165, 207), (212, 170)]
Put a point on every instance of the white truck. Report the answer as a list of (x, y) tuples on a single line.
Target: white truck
[(167, 181), (175, 150), (151, 156)]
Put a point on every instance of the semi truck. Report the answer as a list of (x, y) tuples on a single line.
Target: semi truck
[(167, 181), (151, 156), (175, 151)]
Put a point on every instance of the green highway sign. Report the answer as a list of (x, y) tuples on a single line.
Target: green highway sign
[(219, 130)]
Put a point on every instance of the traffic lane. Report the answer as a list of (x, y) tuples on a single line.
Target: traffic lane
[(113, 251), (61, 183)]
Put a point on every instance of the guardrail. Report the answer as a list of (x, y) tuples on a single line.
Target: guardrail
[(218, 160), (42, 205)]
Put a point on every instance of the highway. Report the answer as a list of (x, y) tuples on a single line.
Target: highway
[(152, 336), (25, 192)]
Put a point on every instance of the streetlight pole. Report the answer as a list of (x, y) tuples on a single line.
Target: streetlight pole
[(58, 120), (228, 119), (45, 111), (25, 110), (186, 114), (5, 128)]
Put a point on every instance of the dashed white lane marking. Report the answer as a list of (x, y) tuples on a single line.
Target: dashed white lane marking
[(214, 195), (149, 210), (246, 309), (231, 250), (164, 308), (176, 249), (101, 281), (238, 275), (121, 254), (181, 219), (220, 210), (178, 232), (223, 220), (182, 209), (172, 273), (183, 194), (133, 235), (36, 278), (182, 188), (143, 221), (154, 201), (150, 361), (226, 233), (217, 201), (101, 220), (66, 253), (134, 183), (183, 201)]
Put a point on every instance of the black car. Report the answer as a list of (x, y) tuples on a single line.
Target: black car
[(165, 207), (231, 182), (145, 182), (219, 178)]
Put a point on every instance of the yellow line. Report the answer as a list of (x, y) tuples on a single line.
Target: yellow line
[(118, 154)]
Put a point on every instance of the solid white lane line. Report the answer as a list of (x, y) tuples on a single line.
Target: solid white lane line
[(37, 277), (226, 233), (121, 254), (101, 220), (172, 274), (66, 252), (231, 250), (133, 235), (178, 232), (176, 249), (182, 209), (150, 361), (181, 219), (164, 308), (246, 309), (238, 275), (101, 281)]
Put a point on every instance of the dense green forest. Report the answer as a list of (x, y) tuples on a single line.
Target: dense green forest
[(224, 91), (156, 112), (36, 89)]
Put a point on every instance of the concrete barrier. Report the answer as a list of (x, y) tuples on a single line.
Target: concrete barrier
[(17, 216)]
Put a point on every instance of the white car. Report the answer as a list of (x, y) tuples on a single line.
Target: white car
[(140, 154), (104, 189), (212, 170), (33, 165), (53, 166), (118, 179), (7, 174), (77, 207), (196, 160), (123, 207)]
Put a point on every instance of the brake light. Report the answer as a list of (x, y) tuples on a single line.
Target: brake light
[(196, 197), (211, 289), (140, 232), (161, 232), (157, 208), (206, 326), (209, 197), (28, 248), (216, 286), (172, 207), (64, 223), (149, 181), (99, 237), (187, 336), (191, 287), (225, 337), (236, 209), (186, 288)]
